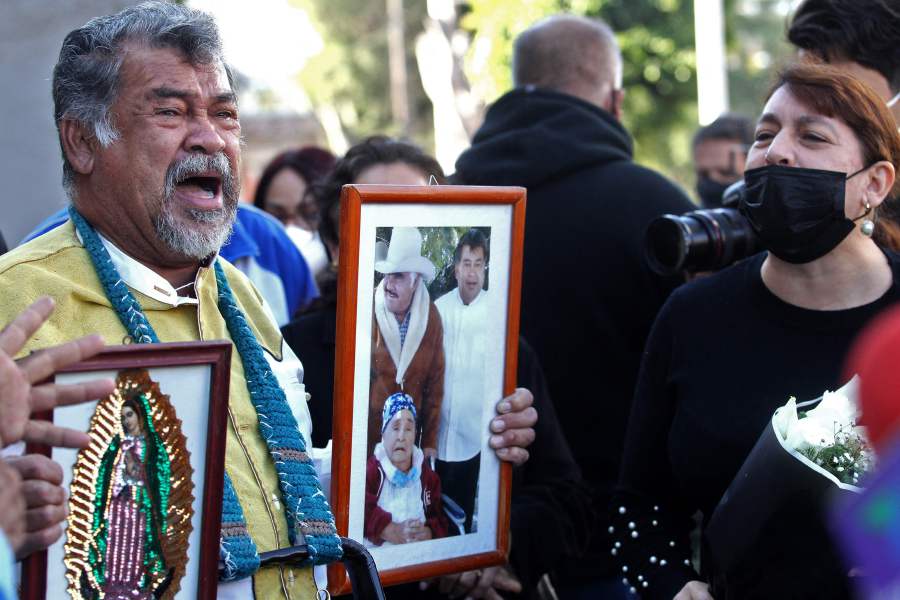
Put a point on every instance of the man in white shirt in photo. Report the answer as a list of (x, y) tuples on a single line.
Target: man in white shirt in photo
[(464, 314)]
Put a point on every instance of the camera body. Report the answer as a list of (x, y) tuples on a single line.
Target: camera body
[(701, 240)]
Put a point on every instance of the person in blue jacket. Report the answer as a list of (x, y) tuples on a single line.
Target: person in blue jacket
[(258, 246)]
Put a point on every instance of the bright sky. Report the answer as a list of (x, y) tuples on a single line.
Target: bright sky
[(268, 41)]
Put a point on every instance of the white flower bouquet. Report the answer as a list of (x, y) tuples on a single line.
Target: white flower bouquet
[(826, 438), (769, 529)]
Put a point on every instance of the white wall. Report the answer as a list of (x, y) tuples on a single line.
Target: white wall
[(31, 33)]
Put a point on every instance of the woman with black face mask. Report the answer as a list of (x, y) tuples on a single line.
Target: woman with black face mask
[(727, 350)]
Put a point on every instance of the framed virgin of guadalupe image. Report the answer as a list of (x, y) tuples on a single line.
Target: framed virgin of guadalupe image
[(427, 335), (145, 496)]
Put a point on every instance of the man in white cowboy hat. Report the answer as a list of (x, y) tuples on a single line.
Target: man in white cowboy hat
[(407, 338)]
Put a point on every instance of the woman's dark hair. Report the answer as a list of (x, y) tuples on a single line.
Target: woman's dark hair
[(376, 150), (834, 93), (310, 162)]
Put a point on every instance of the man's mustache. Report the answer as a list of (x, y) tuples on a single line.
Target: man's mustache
[(195, 165)]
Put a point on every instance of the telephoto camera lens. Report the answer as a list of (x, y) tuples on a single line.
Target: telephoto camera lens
[(701, 240)]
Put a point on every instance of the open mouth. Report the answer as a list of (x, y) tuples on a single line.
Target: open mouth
[(204, 185)]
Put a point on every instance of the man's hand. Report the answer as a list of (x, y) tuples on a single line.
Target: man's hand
[(12, 501), (429, 453), (45, 501), (483, 583), (694, 590), (514, 429), (20, 397)]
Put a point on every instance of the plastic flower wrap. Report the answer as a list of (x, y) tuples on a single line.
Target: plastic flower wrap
[(767, 537), (827, 438)]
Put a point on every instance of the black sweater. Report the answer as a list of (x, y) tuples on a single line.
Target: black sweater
[(723, 354), (588, 297)]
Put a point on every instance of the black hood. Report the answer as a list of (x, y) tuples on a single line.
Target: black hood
[(571, 134)]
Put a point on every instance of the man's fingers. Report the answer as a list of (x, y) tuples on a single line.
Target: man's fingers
[(521, 438), (44, 517), (447, 583), (19, 331), (44, 432), (50, 395), (41, 493), (465, 583), (43, 363), (515, 420), (36, 466), (39, 540), (516, 456), (517, 401), (506, 582)]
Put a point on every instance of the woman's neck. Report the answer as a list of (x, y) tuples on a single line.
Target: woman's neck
[(853, 274)]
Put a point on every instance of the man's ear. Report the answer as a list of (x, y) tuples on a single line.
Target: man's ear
[(616, 99), (79, 145)]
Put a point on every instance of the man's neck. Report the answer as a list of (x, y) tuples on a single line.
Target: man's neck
[(400, 317), (178, 272)]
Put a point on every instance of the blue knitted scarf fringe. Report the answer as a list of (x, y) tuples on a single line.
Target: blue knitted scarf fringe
[(306, 509)]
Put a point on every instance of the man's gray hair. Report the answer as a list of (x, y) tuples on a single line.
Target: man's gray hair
[(564, 51), (86, 76)]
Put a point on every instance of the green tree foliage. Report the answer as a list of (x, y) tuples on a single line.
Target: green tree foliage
[(757, 44), (351, 73)]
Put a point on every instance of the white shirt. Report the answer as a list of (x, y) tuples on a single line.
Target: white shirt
[(460, 435)]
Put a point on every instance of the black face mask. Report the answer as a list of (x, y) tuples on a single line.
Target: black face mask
[(710, 192), (797, 213)]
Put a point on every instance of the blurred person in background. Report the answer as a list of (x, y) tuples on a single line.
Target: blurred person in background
[(720, 152), (729, 349), (550, 513), (283, 192), (860, 37), (588, 294)]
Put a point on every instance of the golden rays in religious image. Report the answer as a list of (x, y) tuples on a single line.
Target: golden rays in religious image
[(131, 498)]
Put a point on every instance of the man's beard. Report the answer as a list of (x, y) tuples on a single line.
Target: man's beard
[(204, 241)]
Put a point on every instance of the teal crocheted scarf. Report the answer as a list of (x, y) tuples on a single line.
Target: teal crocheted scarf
[(306, 510)]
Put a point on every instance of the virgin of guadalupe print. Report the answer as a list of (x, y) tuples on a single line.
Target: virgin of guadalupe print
[(131, 498)]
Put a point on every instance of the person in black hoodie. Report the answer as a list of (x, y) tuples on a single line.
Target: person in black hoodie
[(588, 296)]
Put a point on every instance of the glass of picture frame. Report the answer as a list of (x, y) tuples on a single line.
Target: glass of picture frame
[(427, 336)]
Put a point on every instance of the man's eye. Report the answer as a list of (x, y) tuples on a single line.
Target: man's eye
[(762, 136), (167, 112)]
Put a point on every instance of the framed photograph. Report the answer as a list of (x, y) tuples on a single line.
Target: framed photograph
[(145, 497), (427, 334)]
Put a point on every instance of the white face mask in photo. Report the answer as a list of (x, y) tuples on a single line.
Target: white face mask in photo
[(893, 101)]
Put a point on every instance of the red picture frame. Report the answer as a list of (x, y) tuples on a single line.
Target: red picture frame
[(217, 356), (412, 199)]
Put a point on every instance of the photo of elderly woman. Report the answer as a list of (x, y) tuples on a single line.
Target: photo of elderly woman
[(403, 493)]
